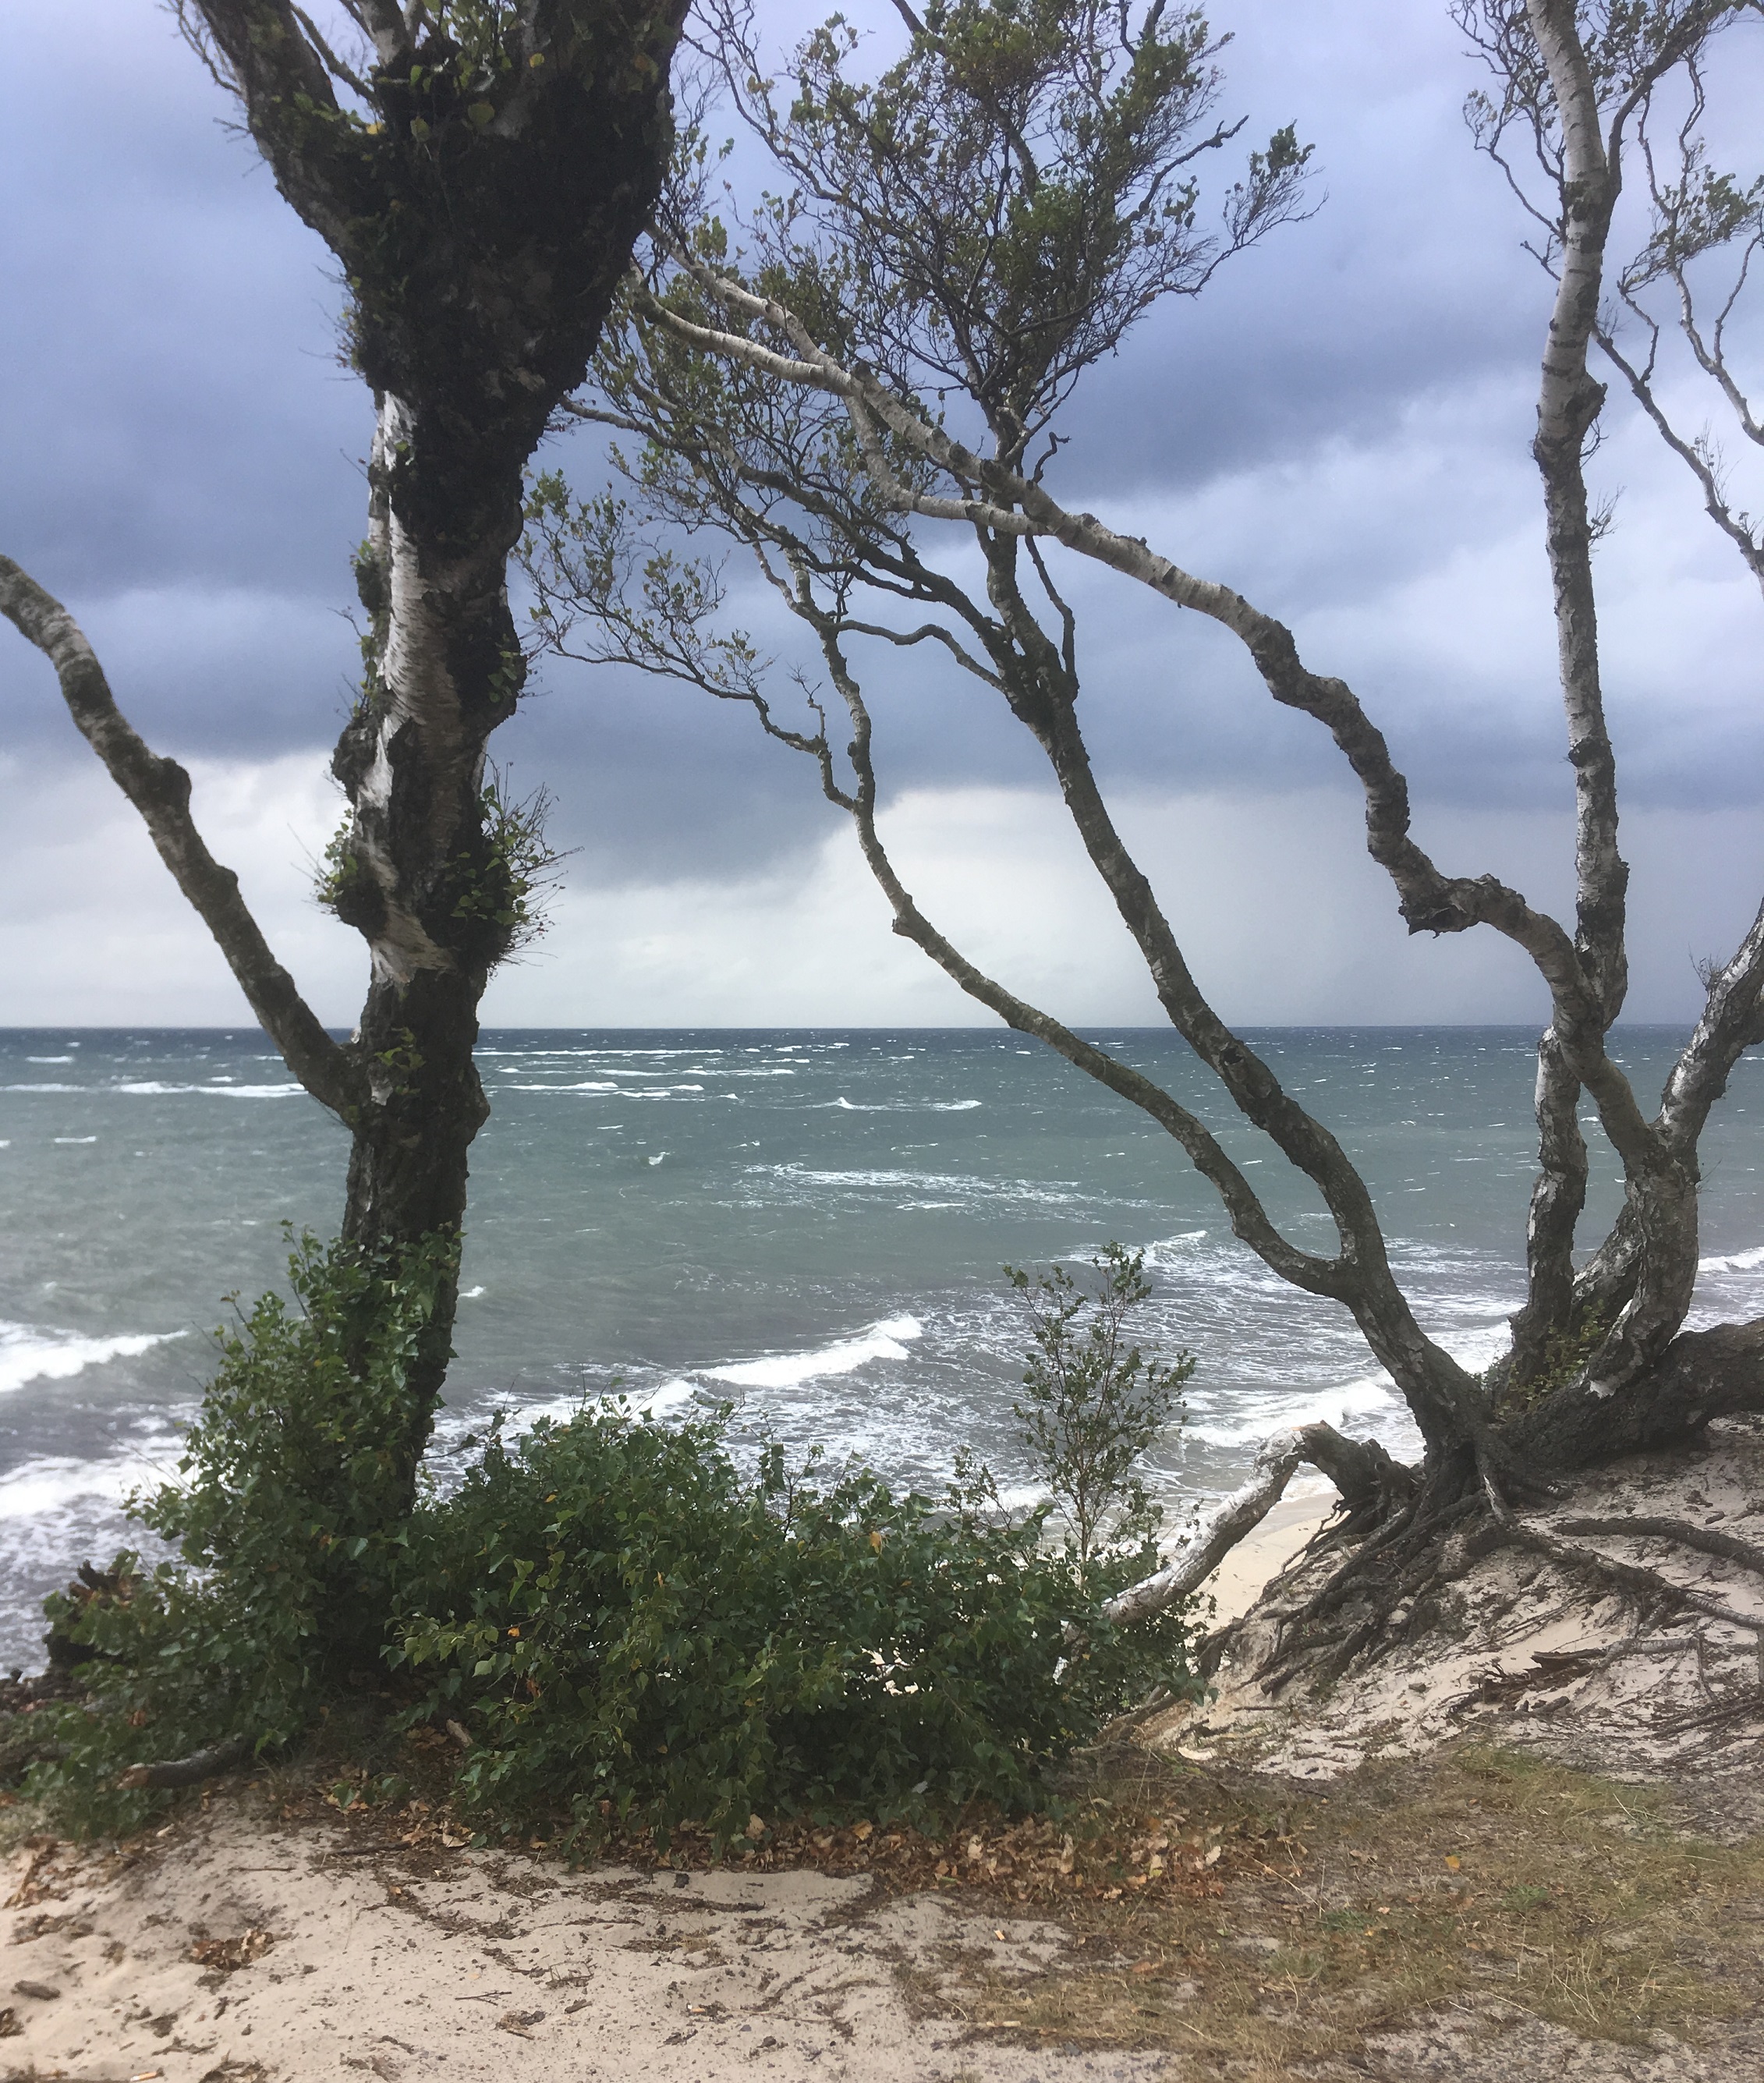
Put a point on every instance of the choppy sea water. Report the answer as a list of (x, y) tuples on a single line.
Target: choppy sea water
[(810, 1226)]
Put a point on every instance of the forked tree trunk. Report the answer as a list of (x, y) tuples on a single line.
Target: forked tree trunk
[(1600, 1365)]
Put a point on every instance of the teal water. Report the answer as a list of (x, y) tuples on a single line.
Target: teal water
[(809, 1225)]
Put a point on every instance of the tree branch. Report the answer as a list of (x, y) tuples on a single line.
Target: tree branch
[(1016, 505), (1732, 1021), (189, 1771), (1568, 402), (1361, 1471), (160, 790), (1250, 1221), (1695, 458)]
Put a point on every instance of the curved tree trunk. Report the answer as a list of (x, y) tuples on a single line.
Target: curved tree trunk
[(1599, 1365)]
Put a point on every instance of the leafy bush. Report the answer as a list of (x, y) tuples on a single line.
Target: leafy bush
[(629, 1629), (1094, 1403), (288, 1518)]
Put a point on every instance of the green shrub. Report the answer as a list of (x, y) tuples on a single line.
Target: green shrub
[(1092, 1405), (288, 1518), (630, 1630), (620, 1618)]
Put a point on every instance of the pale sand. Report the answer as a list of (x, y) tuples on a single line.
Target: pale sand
[(481, 1965), (1631, 1709), (1237, 1582)]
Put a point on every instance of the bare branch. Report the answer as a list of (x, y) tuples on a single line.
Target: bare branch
[(160, 790), (932, 632), (1364, 1474), (338, 69), (1250, 1221), (1695, 455)]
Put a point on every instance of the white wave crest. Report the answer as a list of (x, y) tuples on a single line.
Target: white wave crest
[(880, 1341), (29, 1354), (605, 1089), (897, 1106), (1735, 1262), (1372, 1395), (1173, 1250), (153, 1089), (51, 1482), (964, 1183), (670, 1397)]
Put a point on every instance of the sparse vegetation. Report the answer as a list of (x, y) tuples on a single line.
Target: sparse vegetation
[(1482, 1875), (1094, 1403)]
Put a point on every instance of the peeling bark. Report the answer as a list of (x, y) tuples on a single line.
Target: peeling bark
[(1368, 1480)]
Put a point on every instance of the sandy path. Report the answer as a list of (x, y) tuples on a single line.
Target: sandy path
[(486, 1967)]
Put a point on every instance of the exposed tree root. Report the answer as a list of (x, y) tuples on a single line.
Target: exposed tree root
[(1687, 1536), (1630, 1576), (1742, 1706), (1410, 1535), (1370, 1482), (189, 1771)]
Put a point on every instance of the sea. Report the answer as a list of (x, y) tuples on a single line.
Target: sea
[(809, 1227)]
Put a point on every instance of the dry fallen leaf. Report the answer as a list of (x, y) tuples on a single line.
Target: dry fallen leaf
[(1197, 1757), (228, 1954), (1452, 1861)]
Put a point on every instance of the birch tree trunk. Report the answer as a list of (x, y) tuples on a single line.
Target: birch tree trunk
[(480, 175)]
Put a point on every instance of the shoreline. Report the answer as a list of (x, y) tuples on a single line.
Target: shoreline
[(1261, 1555)]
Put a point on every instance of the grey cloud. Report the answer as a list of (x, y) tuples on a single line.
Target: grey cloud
[(1338, 427), (175, 413)]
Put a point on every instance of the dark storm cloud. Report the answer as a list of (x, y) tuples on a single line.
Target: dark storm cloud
[(1338, 427), (174, 413)]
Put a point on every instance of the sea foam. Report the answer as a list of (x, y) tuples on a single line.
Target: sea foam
[(880, 1341), (1736, 1261), (28, 1353)]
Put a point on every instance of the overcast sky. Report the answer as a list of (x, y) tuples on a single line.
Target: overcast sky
[(1339, 428)]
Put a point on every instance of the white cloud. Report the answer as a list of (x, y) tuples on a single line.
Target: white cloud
[(93, 931), (1282, 916)]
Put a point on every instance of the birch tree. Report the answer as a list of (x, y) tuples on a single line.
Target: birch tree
[(480, 170), (871, 370)]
